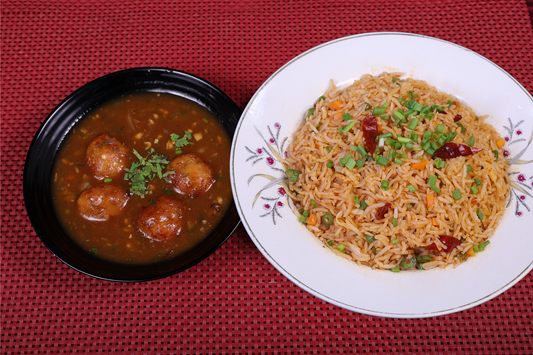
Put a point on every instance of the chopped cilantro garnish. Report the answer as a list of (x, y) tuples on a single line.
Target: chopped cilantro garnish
[(181, 142), (144, 170)]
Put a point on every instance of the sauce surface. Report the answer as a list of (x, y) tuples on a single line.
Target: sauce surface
[(97, 197)]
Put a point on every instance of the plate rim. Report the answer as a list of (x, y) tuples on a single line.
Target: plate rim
[(285, 272)]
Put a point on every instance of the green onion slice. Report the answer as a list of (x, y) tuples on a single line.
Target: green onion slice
[(435, 188), (293, 174), (414, 122), (370, 239), (408, 264), (440, 128), (480, 214), (327, 220), (424, 258), (347, 116), (463, 128), (382, 161), (378, 111)]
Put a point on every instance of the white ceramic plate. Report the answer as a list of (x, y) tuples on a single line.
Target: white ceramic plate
[(276, 110)]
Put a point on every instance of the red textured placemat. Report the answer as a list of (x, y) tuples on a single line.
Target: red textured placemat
[(234, 301)]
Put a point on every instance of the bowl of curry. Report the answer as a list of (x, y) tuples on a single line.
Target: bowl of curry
[(127, 179)]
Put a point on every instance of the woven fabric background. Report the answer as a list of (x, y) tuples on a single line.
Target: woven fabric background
[(234, 301)]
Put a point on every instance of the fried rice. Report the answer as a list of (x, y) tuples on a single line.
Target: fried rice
[(399, 206)]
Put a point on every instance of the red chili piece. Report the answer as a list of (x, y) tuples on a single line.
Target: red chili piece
[(454, 150), (370, 132), (382, 210), (449, 244), (457, 118)]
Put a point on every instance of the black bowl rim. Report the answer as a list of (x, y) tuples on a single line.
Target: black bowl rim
[(32, 154)]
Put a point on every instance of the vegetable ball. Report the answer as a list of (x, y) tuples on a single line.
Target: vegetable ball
[(106, 156), (192, 175), (101, 202), (162, 219)]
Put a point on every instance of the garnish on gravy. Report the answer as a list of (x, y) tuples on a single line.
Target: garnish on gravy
[(102, 178)]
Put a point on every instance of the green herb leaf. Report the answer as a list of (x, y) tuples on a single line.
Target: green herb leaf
[(181, 142), (147, 168)]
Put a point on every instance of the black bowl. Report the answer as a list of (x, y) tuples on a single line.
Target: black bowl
[(42, 152)]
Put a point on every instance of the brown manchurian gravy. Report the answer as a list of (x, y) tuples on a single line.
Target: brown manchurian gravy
[(142, 121)]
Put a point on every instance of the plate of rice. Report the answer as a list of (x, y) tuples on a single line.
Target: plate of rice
[(390, 185)]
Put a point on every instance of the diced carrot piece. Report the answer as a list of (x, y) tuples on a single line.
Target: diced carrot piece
[(335, 105), (312, 220), (338, 116), (471, 252), (420, 165), (500, 143), (430, 199), (434, 221)]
